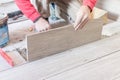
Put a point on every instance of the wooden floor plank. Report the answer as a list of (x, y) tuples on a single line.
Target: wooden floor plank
[(65, 61), (104, 69), (61, 39)]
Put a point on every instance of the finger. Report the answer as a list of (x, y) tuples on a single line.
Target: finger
[(81, 25), (41, 29), (78, 20), (83, 19), (46, 29), (38, 30), (49, 27)]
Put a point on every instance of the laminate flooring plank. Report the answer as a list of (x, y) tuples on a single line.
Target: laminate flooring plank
[(102, 69), (67, 60), (57, 40)]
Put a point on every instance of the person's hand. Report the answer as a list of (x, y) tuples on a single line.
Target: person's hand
[(42, 25), (82, 17)]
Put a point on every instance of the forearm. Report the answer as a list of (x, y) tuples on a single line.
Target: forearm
[(28, 9)]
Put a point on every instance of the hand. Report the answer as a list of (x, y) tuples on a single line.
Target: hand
[(82, 17), (42, 25)]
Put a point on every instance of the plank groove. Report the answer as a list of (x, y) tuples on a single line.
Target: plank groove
[(68, 60), (102, 69)]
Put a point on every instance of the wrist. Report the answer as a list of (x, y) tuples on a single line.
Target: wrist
[(89, 8), (37, 19)]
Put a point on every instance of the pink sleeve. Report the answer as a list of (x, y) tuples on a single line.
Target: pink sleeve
[(90, 3), (28, 9)]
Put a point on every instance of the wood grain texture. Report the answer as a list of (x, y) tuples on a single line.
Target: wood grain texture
[(71, 59), (102, 69), (60, 39)]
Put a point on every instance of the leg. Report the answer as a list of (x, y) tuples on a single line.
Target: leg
[(53, 9), (43, 7), (68, 8)]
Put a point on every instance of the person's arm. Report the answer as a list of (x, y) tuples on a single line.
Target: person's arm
[(89, 3), (28, 9), (83, 13)]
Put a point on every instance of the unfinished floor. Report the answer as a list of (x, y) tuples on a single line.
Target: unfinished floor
[(95, 61)]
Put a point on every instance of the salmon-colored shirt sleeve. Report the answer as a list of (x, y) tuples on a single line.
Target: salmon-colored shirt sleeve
[(28, 9), (90, 3)]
